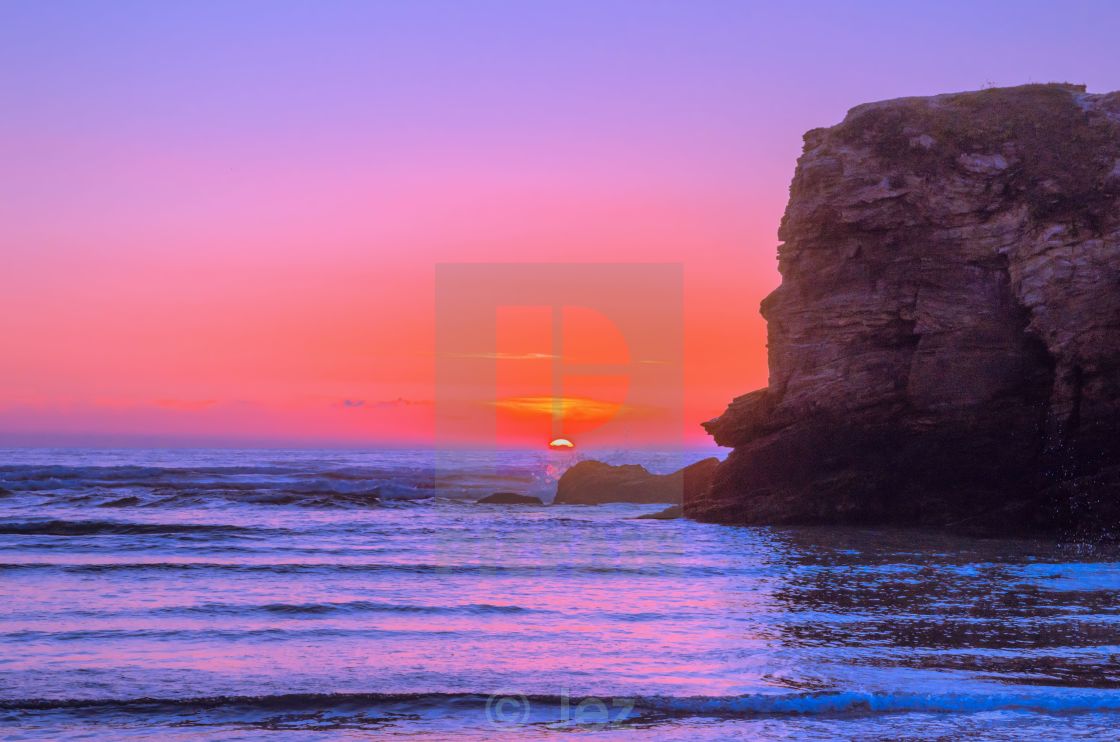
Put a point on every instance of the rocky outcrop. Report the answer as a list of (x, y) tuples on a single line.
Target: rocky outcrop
[(509, 498), (944, 348), (595, 483), (673, 512)]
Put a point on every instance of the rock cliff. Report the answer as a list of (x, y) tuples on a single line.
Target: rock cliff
[(944, 347)]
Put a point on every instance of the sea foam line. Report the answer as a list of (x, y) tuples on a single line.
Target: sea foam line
[(787, 704)]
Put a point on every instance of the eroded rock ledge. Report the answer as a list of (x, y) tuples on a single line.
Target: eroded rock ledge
[(944, 348)]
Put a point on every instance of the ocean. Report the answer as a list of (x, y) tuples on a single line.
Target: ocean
[(304, 594)]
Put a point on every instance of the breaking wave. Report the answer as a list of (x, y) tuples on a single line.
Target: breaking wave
[(109, 527), (758, 704), (314, 484)]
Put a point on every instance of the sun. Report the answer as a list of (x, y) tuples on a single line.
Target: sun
[(561, 443)]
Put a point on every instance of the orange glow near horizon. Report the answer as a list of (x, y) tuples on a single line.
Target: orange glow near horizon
[(234, 342), (531, 402)]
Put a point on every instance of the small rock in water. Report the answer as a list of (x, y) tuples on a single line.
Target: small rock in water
[(509, 498), (595, 483), (670, 513)]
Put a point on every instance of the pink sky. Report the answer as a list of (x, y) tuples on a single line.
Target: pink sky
[(220, 223)]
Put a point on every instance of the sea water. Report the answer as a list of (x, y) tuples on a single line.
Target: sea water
[(238, 594)]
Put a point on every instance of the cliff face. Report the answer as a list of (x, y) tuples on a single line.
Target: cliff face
[(945, 345)]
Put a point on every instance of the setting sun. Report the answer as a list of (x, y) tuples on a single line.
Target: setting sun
[(561, 443)]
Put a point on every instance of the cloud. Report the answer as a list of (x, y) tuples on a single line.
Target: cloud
[(572, 408), (384, 404), (187, 405), (402, 402), (545, 357), (506, 356)]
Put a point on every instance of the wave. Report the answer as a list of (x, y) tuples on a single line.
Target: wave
[(137, 475), (316, 483), (750, 705), (110, 527), (310, 496), (353, 606), (843, 702), (320, 567), (222, 635)]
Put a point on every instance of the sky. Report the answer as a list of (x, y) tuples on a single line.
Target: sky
[(220, 223)]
